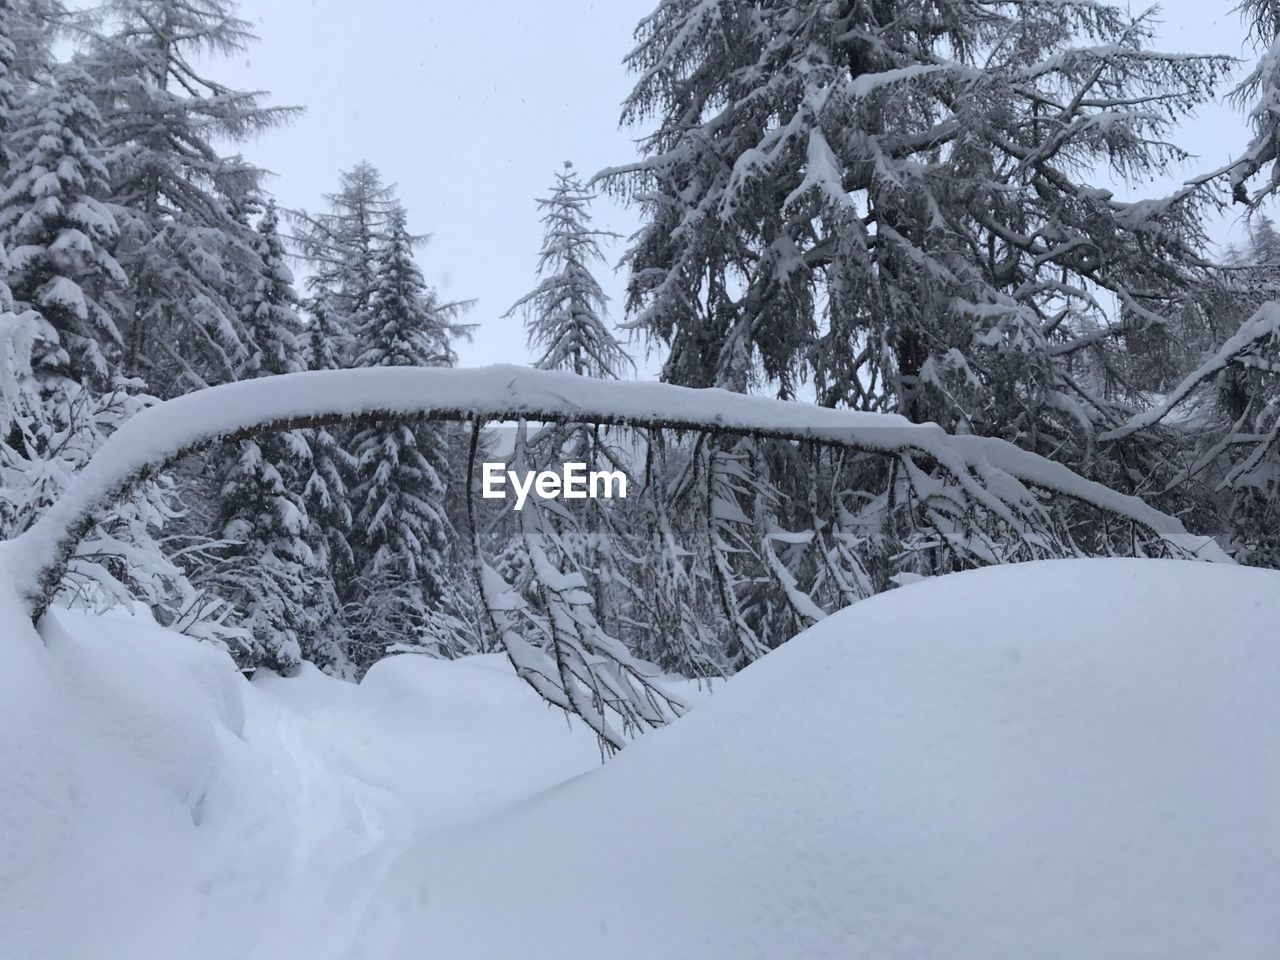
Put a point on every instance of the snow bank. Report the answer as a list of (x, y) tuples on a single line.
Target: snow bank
[(1055, 760), (452, 740), (113, 738), (153, 803), (156, 699)]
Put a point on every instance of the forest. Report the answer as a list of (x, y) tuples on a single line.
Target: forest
[(913, 304), (902, 218)]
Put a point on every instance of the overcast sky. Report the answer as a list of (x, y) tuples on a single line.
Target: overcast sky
[(469, 108)]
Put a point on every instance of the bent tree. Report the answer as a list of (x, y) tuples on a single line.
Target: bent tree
[(978, 500)]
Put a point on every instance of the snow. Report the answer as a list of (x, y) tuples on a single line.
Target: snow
[(505, 392), (157, 804), (1052, 760), (1264, 325)]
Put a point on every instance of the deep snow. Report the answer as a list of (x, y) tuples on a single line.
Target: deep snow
[(1055, 760), (1060, 759), (156, 805)]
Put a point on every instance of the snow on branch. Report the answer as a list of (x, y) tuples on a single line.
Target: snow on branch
[(1263, 326), (995, 475)]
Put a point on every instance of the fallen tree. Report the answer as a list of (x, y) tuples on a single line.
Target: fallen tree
[(969, 480)]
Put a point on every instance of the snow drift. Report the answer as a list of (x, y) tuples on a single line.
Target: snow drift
[(1054, 760), (154, 804)]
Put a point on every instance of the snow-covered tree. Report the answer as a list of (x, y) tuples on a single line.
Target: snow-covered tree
[(565, 321), (59, 232), (8, 86), (273, 329), (899, 204), (1239, 432), (1259, 94), (63, 393), (340, 246), (284, 593), (564, 314), (327, 490), (1227, 403), (898, 201), (266, 521), (65, 281), (185, 243), (403, 527)]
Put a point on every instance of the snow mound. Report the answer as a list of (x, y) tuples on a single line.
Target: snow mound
[(157, 698), (1054, 760), (155, 804), (114, 735), (455, 739)]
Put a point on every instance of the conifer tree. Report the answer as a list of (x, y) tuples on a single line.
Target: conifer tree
[(278, 585), (564, 314), (185, 244), (895, 201), (64, 392), (404, 531), (340, 246), (273, 329), (565, 322), (1229, 400), (60, 233), (8, 86), (63, 279), (326, 492), (1248, 404), (1259, 94)]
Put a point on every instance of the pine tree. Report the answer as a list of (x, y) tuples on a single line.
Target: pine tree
[(279, 587), (898, 204), (891, 199), (8, 86), (185, 243), (269, 316), (64, 392), (1227, 399), (1239, 430), (340, 246), (29, 30), (60, 233), (63, 279), (404, 528), (565, 321), (326, 492), (1259, 93), (564, 314), (18, 333)]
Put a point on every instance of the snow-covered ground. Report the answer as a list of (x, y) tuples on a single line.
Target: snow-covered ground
[(1052, 760), (156, 805)]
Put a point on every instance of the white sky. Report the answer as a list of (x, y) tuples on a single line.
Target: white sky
[(469, 107)]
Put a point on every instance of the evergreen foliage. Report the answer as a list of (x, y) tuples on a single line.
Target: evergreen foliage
[(403, 530), (906, 207), (564, 314)]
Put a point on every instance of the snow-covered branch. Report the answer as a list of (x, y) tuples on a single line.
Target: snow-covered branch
[(995, 475), (1262, 327)]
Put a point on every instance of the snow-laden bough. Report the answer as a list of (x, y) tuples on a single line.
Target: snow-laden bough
[(983, 475)]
